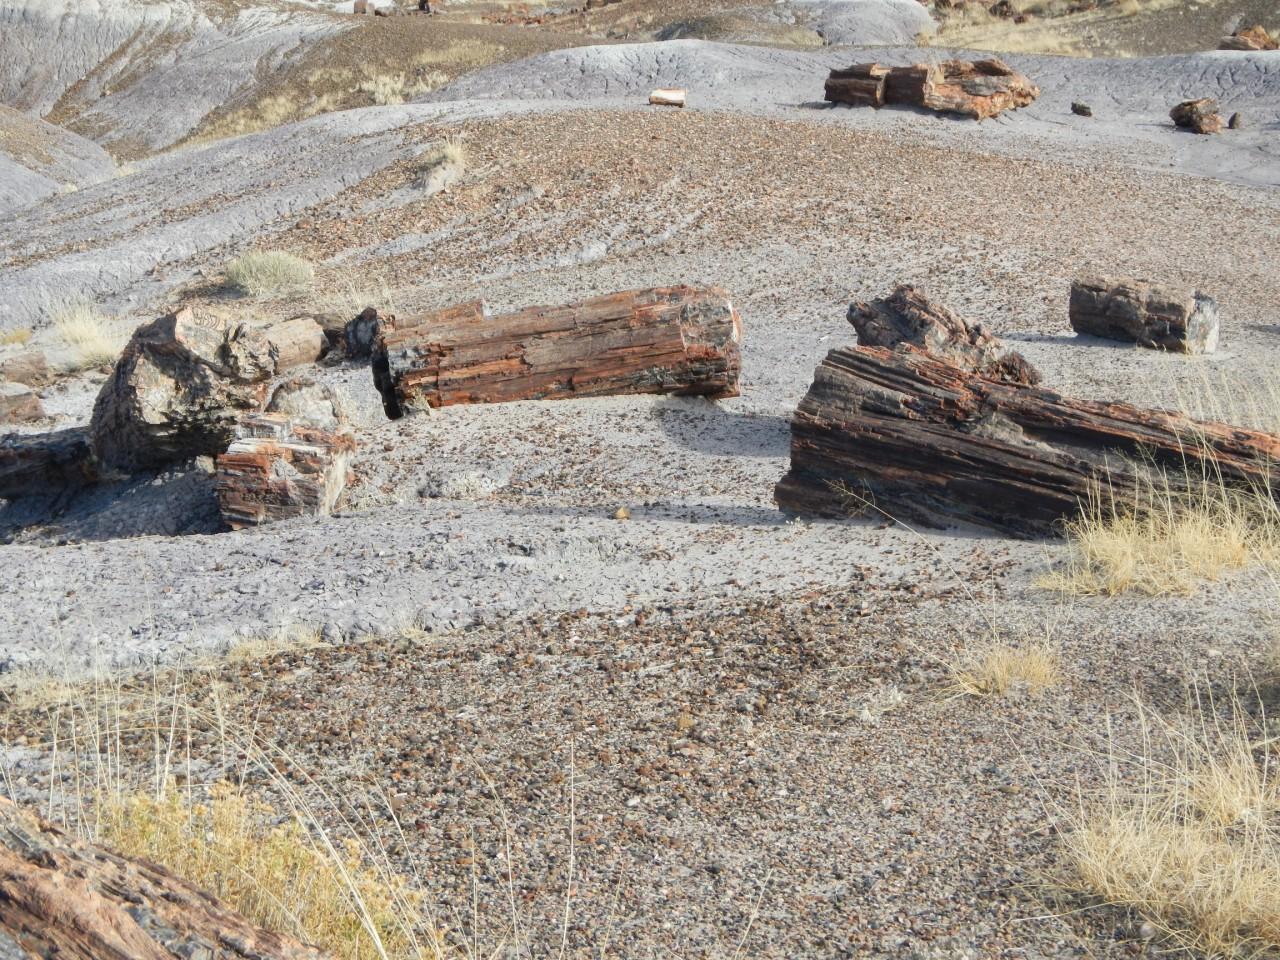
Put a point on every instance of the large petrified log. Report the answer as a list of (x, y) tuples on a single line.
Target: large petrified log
[(678, 340), (908, 317), (277, 468), (1142, 312), (77, 901), (925, 441), (184, 380), (45, 463), (972, 88)]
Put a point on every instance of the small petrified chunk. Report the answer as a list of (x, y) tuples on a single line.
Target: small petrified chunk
[(1142, 312), (1081, 109), (183, 381), (1250, 38), (668, 97), (674, 340), (45, 463), (1198, 116), (276, 469), (78, 901), (18, 404), (972, 88), (909, 317), (925, 441), (29, 367)]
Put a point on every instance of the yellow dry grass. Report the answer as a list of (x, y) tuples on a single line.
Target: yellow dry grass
[(89, 334), (1048, 29), (263, 273), (15, 337), (996, 669), (1184, 833)]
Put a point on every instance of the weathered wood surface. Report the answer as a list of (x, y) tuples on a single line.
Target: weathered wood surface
[(45, 463), (277, 468), (1198, 116), (184, 380), (18, 404), (972, 88), (1142, 312), (668, 97), (676, 340), (29, 367), (908, 317), (1250, 38), (76, 901), (927, 442)]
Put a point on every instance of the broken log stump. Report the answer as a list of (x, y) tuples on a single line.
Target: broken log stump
[(971, 88), (674, 340), (1139, 311), (45, 463), (1198, 116), (277, 468), (79, 901), (909, 317), (922, 440)]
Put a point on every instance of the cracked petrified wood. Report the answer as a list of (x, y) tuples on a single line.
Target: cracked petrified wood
[(77, 901), (1142, 312), (972, 88), (1198, 116), (924, 441), (277, 468), (675, 340), (184, 380), (908, 317), (46, 463)]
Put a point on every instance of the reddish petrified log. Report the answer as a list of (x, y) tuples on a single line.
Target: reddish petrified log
[(1198, 116), (77, 901), (972, 88), (277, 468), (1142, 312), (925, 441), (908, 317), (676, 340)]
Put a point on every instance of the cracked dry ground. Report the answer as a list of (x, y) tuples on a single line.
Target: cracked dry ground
[(789, 780)]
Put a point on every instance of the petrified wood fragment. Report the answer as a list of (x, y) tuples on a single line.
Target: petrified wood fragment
[(76, 901), (668, 97), (183, 381), (1250, 38), (276, 468), (1139, 311), (45, 463), (1198, 116), (18, 404), (972, 88), (909, 317), (29, 367), (925, 441), (677, 340)]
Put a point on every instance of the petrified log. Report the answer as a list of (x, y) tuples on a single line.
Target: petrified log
[(861, 85), (677, 340), (306, 402), (907, 316), (1145, 313), (1198, 116), (925, 441), (668, 97), (276, 468), (183, 381), (78, 901), (18, 404), (29, 367), (972, 88), (45, 463), (1250, 38)]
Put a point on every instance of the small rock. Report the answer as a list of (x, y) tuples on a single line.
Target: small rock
[(1236, 122), (622, 513), (19, 404), (1081, 109), (1198, 116)]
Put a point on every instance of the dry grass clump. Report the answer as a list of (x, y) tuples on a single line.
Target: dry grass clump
[(461, 55), (269, 273), (1170, 541), (387, 89), (1184, 833), (16, 337), (441, 165), (89, 335), (996, 669)]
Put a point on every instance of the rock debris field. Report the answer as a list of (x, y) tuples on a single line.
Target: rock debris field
[(767, 760)]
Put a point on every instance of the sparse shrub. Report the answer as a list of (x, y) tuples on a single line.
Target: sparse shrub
[(1185, 834), (441, 164), (89, 334), (269, 272), (995, 669), (388, 89), (15, 337)]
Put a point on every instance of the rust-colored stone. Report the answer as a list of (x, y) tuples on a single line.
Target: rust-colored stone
[(676, 340), (1250, 38), (972, 88), (1198, 116)]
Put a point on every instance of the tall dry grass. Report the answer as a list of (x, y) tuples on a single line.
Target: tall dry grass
[(93, 339)]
